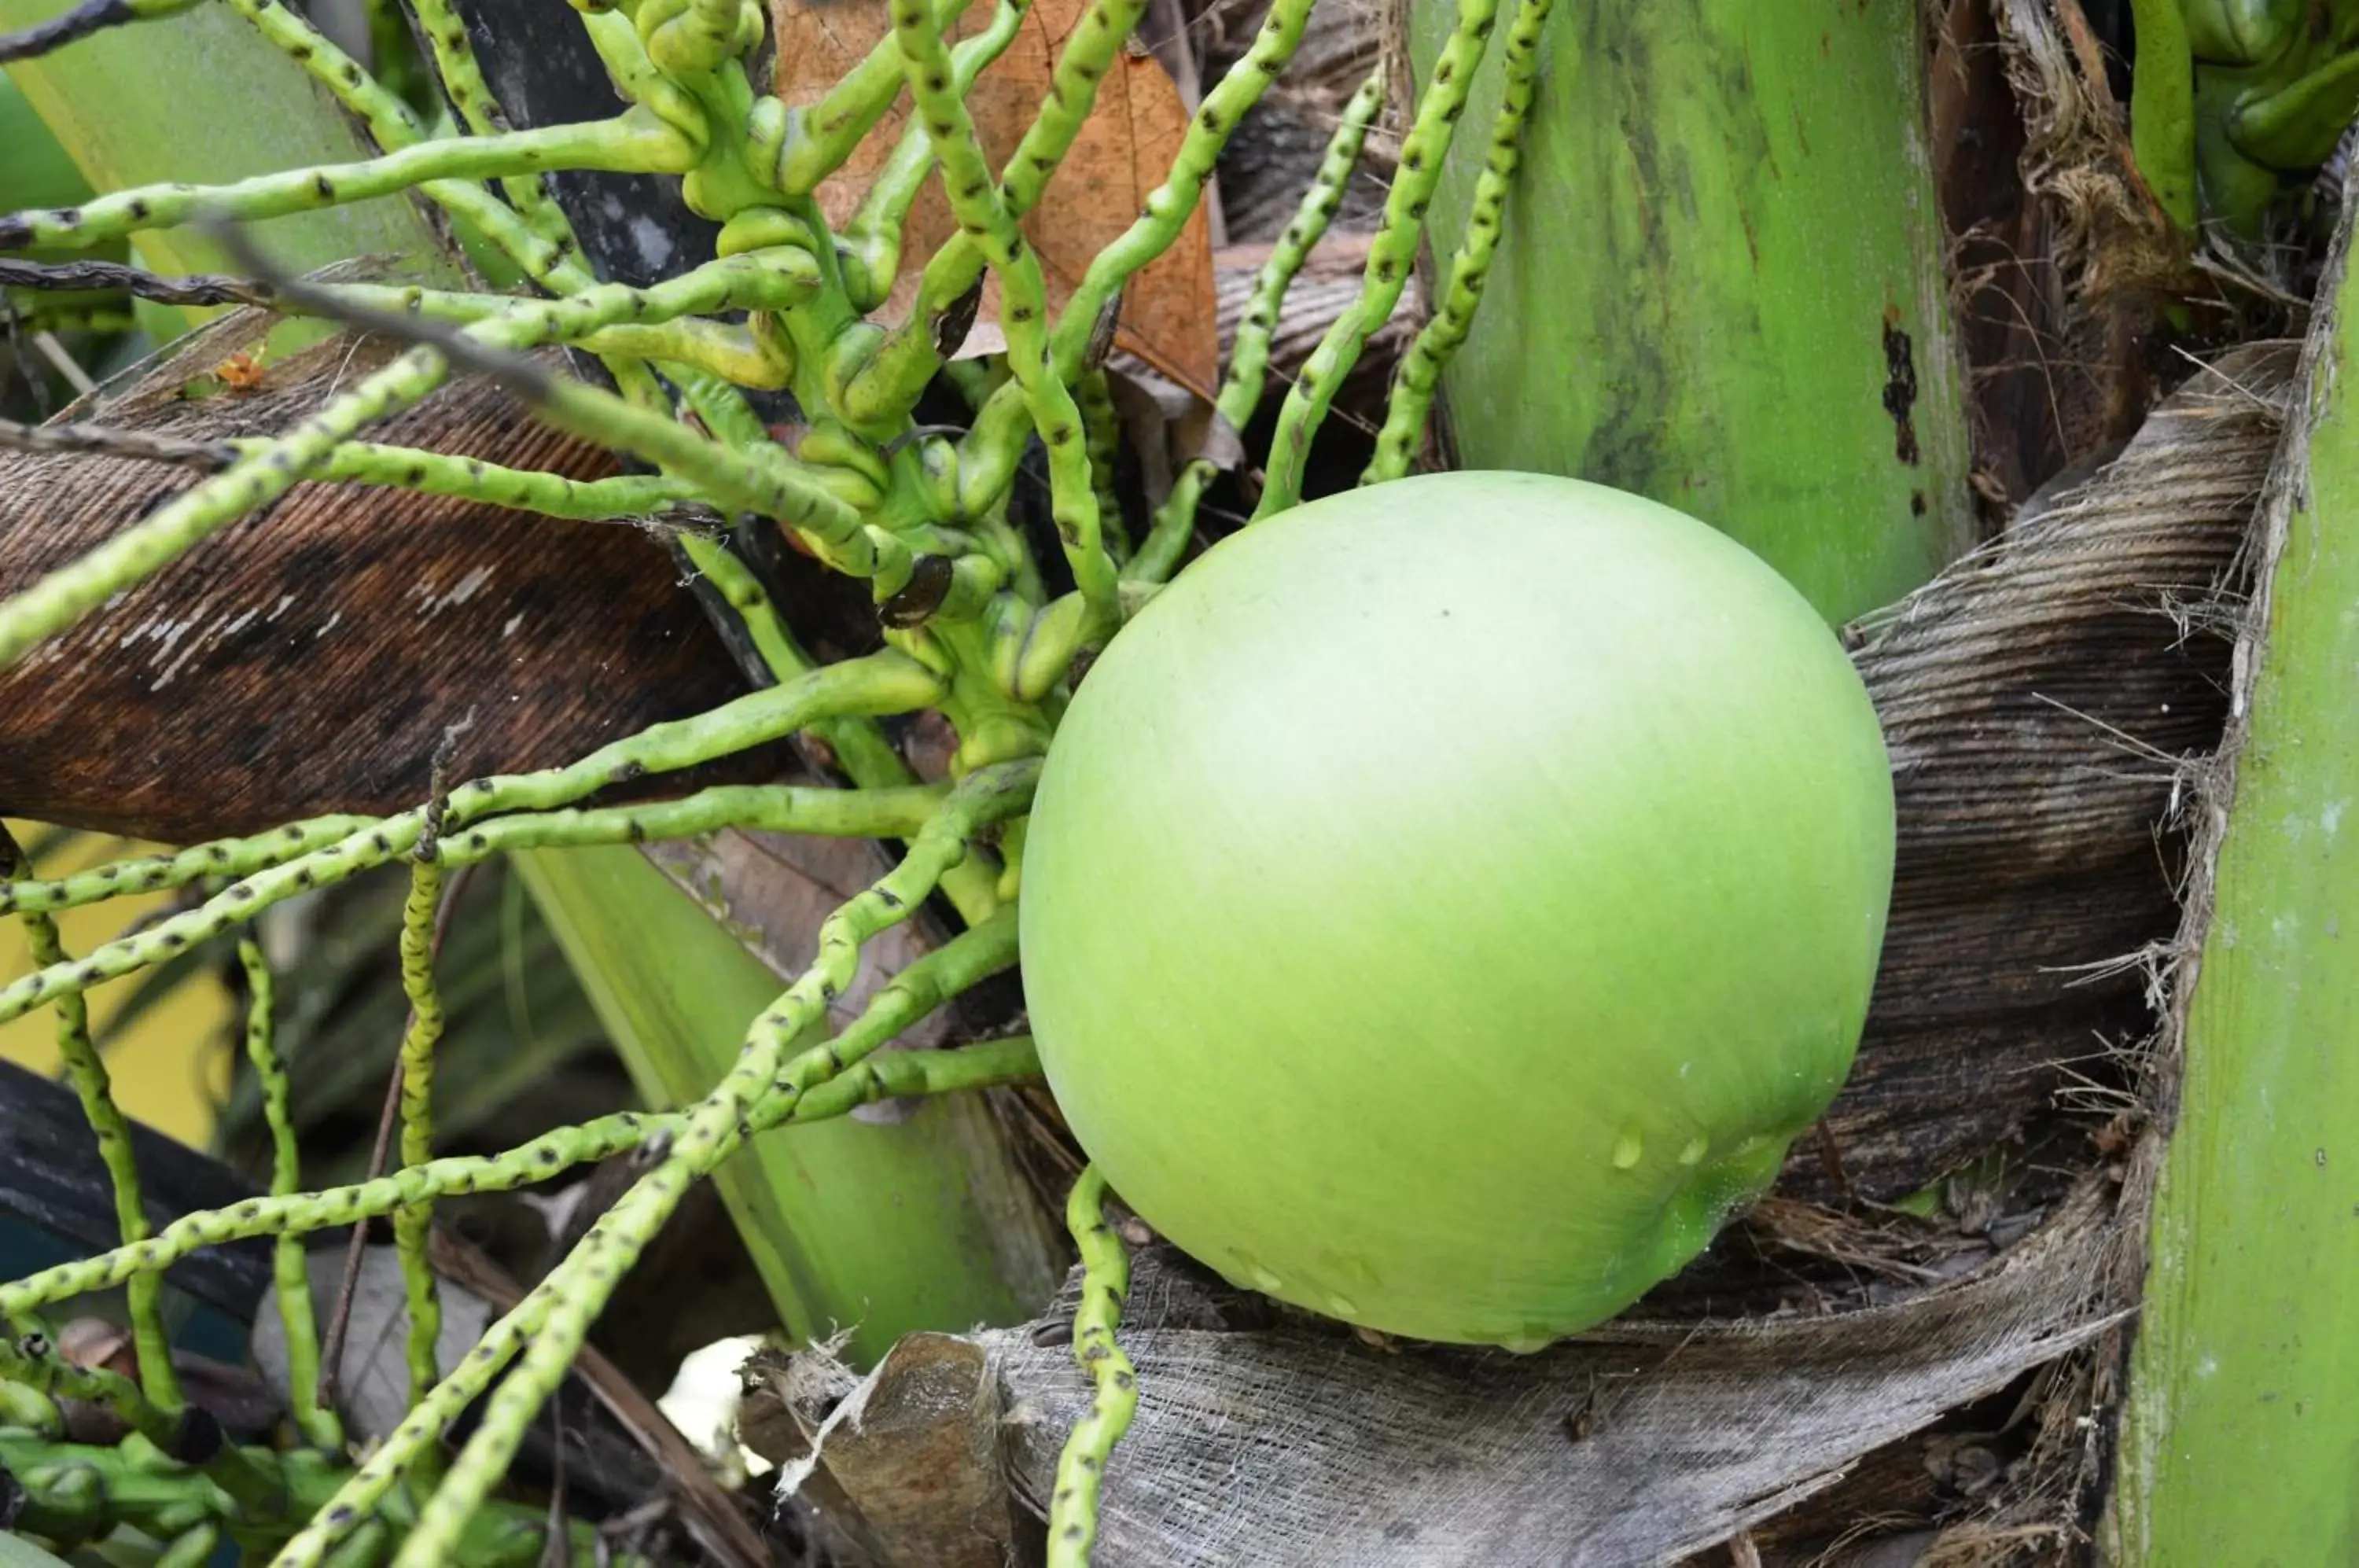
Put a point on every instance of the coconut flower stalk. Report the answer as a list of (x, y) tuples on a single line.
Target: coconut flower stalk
[(975, 630)]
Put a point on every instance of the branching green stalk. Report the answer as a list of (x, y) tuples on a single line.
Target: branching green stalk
[(290, 1283), (635, 142), (87, 1070), (32, 1361), (1420, 377), (479, 111), (892, 1076), (578, 1288), (1024, 304), (1391, 255), (910, 357), (1105, 1281), (78, 1493), (871, 243), (625, 497), (61, 598), (390, 123), (811, 143), (1175, 520), (556, 1314), (156, 873), (988, 456), (1104, 426), (413, 1222), (880, 684)]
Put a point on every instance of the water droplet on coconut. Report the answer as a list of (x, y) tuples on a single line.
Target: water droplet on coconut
[(1528, 1341), (1265, 1281), (1342, 1306), (1697, 1147), (1628, 1148)]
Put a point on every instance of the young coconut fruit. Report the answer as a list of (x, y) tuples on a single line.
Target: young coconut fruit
[(1445, 902)]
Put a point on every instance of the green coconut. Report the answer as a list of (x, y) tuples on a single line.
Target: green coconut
[(1446, 902)]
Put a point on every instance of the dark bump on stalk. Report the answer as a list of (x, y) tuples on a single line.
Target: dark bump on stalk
[(1062, 436), (1413, 159), (172, 942), (937, 82), (1385, 269), (300, 52), (1442, 73), (416, 475), (1074, 1532), (241, 892), (1210, 118), (625, 772), (138, 209), (154, 876), (382, 844), (250, 1210), (325, 186), (303, 877), (340, 1516), (200, 1437), (110, 873), (1124, 1381)]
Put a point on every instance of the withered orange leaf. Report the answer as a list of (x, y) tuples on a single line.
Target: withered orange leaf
[(1170, 312)]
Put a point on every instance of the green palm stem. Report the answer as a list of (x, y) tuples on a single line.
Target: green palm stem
[(87, 1071), (1241, 391), (1081, 1468), (1420, 377), (1392, 255), (413, 1222), (290, 1283)]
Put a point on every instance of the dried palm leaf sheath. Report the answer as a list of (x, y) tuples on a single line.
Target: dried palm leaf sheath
[(310, 658)]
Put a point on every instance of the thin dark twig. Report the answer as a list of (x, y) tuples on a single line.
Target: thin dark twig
[(101, 441), (557, 1546), (90, 16), (519, 375), (204, 289), (332, 1351), (23, 361)]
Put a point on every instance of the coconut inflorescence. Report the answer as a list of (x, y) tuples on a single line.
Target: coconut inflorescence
[(1447, 901)]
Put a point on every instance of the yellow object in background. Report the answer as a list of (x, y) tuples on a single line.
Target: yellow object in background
[(171, 1070)]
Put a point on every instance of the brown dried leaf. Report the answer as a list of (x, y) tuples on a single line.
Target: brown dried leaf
[(1124, 150)]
